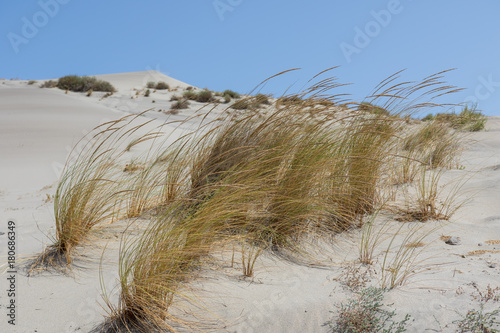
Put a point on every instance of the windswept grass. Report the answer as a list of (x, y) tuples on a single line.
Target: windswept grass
[(309, 168), (88, 192)]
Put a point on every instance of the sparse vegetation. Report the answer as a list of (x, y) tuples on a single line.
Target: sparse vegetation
[(147, 93), (49, 84), (83, 83), (162, 86), (481, 320), (204, 96), (31, 82), (180, 104), (365, 313), (470, 119), (271, 182), (190, 95), (231, 94)]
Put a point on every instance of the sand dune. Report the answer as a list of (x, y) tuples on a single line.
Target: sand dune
[(37, 129)]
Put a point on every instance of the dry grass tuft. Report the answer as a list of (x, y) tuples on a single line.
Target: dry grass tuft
[(89, 191)]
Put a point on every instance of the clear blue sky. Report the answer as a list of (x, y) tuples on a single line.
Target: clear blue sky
[(235, 44)]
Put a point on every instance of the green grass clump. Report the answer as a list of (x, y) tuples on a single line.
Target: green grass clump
[(231, 94), (204, 96), (180, 104), (470, 119), (147, 93), (429, 117), (151, 85), (190, 95), (83, 83), (162, 86), (49, 84), (365, 313), (30, 82)]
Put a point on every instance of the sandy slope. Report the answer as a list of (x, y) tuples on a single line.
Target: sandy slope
[(38, 125)]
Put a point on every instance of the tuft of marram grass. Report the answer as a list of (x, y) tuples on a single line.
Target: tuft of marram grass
[(89, 191)]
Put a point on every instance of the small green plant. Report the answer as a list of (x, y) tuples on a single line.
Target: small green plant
[(480, 321), (190, 95), (470, 119), (365, 314), (151, 85), (262, 99), (230, 93), (83, 83), (204, 96), (429, 117), (49, 84), (146, 94), (181, 104), (175, 98), (162, 86), (30, 82)]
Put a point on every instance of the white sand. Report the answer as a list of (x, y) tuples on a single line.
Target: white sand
[(37, 128)]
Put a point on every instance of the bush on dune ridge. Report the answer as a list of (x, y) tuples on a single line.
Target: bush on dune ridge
[(83, 83)]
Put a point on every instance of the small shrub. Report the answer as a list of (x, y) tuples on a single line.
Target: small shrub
[(162, 86), (150, 85), (204, 96), (83, 83), (49, 84), (230, 93), (30, 82), (190, 95), (227, 99), (146, 94), (262, 99), (365, 314), (181, 104), (100, 85), (89, 93), (175, 98), (189, 88), (429, 117)]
